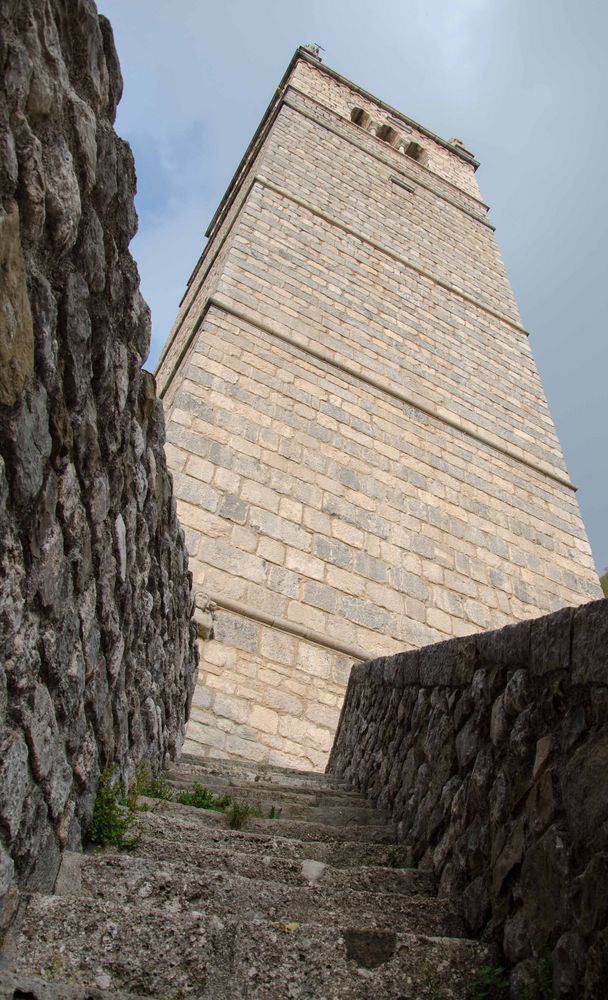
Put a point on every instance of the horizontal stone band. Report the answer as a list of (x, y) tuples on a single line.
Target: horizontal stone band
[(204, 600), (226, 305), (383, 159), (283, 192)]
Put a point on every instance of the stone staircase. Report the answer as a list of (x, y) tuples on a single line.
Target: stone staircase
[(309, 904)]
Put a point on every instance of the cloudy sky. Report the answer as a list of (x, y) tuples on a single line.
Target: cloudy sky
[(524, 83)]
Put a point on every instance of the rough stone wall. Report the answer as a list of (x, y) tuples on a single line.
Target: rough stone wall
[(360, 440), (491, 752), (97, 650)]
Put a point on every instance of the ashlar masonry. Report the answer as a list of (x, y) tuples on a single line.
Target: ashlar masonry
[(363, 454)]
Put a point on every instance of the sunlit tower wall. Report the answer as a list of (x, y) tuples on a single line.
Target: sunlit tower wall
[(363, 455)]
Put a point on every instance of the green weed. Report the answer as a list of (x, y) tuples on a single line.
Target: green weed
[(239, 812), (113, 821), (539, 984), (152, 788), (395, 859), (201, 798), (489, 983), (198, 796), (492, 983)]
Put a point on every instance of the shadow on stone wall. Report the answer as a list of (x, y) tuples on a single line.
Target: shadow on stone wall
[(97, 649), (491, 753)]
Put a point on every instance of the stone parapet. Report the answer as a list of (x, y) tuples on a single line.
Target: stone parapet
[(490, 753)]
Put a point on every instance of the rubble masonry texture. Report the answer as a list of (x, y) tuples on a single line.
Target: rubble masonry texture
[(97, 649), (490, 753)]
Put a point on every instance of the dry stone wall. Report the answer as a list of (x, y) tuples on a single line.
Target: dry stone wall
[(490, 753), (97, 649)]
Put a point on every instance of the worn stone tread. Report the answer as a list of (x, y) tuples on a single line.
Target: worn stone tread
[(300, 829), (269, 773), (250, 856), (186, 776), (144, 883), (285, 907), (14, 984), (185, 833), (313, 808), (209, 955)]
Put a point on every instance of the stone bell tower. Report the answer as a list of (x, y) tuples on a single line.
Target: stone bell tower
[(363, 454)]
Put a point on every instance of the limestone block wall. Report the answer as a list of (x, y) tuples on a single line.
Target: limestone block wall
[(490, 753), (97, 650), (361, 444), (268, 694), (339, 94)]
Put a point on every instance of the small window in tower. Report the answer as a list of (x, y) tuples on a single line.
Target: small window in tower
[(360, 117), (388, 134), (414, 151)]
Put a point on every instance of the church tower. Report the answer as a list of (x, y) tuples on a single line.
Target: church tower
[(363, 454)]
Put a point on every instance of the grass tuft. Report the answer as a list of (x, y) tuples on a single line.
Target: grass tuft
[(397, 859), (239, 812)]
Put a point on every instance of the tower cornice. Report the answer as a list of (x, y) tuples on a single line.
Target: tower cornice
[(303, 54)]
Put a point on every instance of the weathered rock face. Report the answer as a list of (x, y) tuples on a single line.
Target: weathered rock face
[(491, 752), (97, 650)]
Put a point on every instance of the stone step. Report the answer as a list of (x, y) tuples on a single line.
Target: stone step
[(187, 774), (248, 771), (149, 885), (300, 829), (168, 952), (253, 856), (14, 985), (287, 805), (189, 835)]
